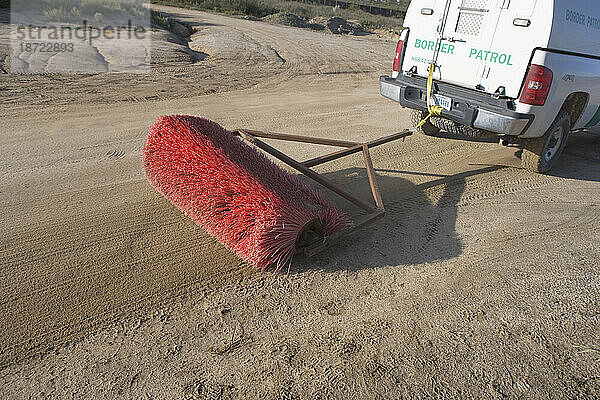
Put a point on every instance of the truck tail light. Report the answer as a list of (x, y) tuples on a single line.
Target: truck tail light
[(398, 58), (537, 85)]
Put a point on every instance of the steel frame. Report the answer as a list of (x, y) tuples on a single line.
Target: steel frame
[(374, 212)]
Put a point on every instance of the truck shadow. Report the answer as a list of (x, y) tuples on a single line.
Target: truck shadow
[(419, 225), (581, 158)]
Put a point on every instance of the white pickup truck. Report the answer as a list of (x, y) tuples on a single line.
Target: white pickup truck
[(525, 70)]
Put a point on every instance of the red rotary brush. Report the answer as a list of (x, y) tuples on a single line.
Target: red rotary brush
[(234, 192)]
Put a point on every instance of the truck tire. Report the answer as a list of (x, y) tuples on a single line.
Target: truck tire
[(540, 154), (458, 129), (435, 125), (427, 128)]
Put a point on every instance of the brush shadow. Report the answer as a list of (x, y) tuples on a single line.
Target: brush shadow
[(420, 221), (419, 225)]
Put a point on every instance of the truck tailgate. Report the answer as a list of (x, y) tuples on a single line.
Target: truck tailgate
[(482, 48)]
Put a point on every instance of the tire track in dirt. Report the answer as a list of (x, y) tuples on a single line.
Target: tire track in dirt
[(450, 153), (477, 187), (459, 192), (584, 222), (511, 187)]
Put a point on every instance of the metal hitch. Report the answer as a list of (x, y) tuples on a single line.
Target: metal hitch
[(374, 211)]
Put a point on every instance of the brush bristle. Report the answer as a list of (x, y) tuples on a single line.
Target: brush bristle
[(233, 191)]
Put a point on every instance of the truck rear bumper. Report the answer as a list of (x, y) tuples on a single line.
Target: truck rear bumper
[(470, 108)]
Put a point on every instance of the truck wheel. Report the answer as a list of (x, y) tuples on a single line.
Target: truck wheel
[(540, 154), (427, 128)]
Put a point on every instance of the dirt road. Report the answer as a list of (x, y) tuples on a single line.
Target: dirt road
[(482, 281)]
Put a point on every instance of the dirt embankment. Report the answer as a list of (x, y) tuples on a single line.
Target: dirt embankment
[(203, 54)]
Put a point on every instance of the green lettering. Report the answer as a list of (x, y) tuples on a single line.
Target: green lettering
[(418, 43), (494, 57), (431, 45), (502, 60), (479, 55), (487, 53), (508, 62), (445, 48), (451, 49), (473, 52)]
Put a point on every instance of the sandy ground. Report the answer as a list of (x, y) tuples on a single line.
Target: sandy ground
[(482, 281)]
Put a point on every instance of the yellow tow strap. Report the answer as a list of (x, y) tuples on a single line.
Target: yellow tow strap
[(433, 110)]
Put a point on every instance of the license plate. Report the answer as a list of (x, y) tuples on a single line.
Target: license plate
[(442, 101)]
